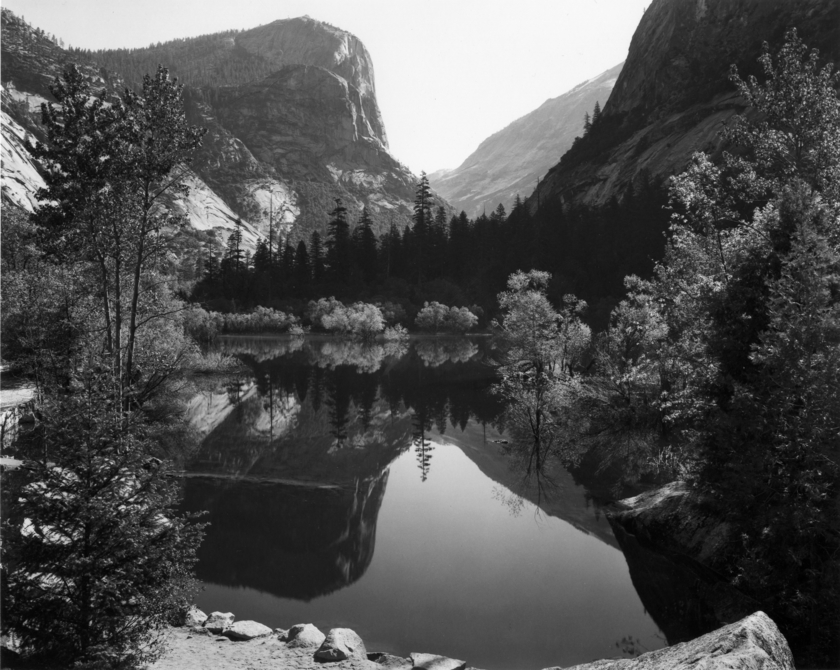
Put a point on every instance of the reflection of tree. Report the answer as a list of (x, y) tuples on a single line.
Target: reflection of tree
[(423, 448), (338, 402), (363, 356)]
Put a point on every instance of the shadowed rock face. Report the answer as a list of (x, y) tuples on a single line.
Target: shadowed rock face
[(673, 95)]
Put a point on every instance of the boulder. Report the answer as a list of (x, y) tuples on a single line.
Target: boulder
[(194, 617), (282, 634), (675, 518), (247, 630), (754, 643), (304, 635), (217, 622), (341, 644), (390, 661), (434, 662)]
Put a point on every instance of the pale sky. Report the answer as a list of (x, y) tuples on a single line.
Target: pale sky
[(449, 73)]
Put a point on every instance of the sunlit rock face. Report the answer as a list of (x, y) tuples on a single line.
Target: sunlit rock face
[(673, 95), (509, 162)]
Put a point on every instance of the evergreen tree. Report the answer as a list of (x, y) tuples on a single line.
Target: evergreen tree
[(596, 114), (422, 220), (338, 259), (365, 243), (303, 271), (316, 258)]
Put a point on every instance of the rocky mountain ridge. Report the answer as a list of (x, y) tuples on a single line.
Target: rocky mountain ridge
[(299, 128), (673, 95), (510, 162)]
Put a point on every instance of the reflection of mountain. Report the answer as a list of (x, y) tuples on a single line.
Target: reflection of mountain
[(292, 541), (559, 496)]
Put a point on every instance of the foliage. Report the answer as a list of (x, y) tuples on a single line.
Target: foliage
[(359, 320), (733, 348), (108, 165), (538, 377), (436, 317), (96, 560)]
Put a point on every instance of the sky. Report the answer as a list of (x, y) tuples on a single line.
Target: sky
[(449, 73)]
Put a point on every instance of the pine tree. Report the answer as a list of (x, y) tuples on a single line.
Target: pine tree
[(338, 244), (422, 220), (365, 243), (316, 258), (587, 124), (596, 113)]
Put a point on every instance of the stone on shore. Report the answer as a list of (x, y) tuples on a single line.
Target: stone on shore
[(217, 622), (304, 635), (194, 617), (247, 630), (754, 643), (390, 661), (341, 644), (434, 662)]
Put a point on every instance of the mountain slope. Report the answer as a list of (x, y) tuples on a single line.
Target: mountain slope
[(509, 162), (673, 95), (292, 120)]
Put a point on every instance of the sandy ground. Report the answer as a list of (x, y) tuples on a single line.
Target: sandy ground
[(190, 651)]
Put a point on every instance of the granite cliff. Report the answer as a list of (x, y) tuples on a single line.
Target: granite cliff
[(292, 120), (673, 95), (509, 162)]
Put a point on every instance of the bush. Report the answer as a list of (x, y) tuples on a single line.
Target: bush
[(436, 317), (359, 320), (395, 334)]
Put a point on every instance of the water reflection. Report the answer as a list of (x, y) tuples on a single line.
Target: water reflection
[(293, 464), (288, 540)]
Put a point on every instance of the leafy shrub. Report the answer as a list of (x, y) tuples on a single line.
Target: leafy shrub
[(360, 320), (395, 334), (436, 317)]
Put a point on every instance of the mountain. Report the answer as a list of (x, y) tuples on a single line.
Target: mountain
[(673, 95), (509, 162), (291, 113)]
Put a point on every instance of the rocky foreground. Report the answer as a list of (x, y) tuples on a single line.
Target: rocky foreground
[(220, 642)]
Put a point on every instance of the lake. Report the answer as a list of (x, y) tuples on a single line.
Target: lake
[(370, 488)]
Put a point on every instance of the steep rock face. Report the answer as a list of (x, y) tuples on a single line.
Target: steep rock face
[(673, 96), (304, 41), (510, 161)]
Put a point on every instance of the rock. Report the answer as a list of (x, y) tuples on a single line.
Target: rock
[(675, 518), (194, 617), (433, 662), (304, 635), (754, 643), (200, 630), (247, 630), (282, 634), (341, 644), (390, 661), (217, 622)]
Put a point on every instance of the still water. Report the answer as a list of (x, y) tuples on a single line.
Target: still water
[(368, 488)]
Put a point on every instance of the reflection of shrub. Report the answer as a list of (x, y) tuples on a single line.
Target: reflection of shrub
[(395, 333), (360, 320), (437, 352), (436, 317)]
